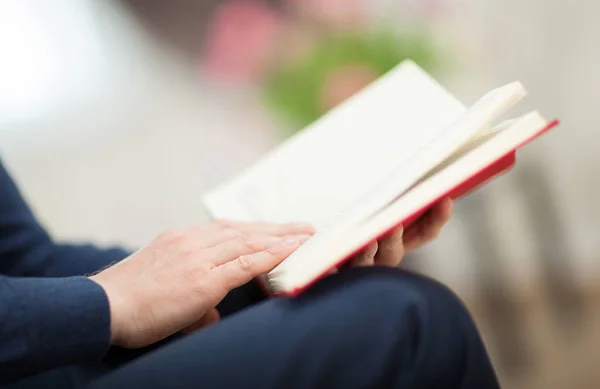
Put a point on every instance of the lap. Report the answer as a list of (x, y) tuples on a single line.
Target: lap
[(368, 327)]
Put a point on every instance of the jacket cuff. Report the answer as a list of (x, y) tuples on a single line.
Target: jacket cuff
[(52, 322)]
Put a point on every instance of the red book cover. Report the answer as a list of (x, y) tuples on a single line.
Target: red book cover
[(501, 165)]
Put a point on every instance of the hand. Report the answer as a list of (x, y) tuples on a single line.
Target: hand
[(176, 281), (390, 250)]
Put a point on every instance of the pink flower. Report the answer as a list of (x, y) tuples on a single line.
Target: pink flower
[(240, 41)]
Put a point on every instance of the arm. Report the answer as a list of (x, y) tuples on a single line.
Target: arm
[(27, 250), (59, 319), (46, 323)]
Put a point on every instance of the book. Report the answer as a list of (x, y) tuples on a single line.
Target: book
[(379, 160)]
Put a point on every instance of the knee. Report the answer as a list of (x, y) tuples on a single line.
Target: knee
[(401, 320), (393, 303), (392, 290)]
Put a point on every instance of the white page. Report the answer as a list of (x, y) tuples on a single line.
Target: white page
[(339, 158), (416, 163), (319, 254)]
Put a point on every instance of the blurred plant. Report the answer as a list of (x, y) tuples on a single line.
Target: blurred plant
[(240, 41), (311, 58), (337, 66)]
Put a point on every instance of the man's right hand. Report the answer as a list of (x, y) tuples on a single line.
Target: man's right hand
[(171, 283)]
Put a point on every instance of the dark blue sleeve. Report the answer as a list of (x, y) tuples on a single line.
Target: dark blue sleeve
[(50, 316), (27, 250), (47, 323)]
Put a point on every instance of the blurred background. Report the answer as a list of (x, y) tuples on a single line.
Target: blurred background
[(116, 115)]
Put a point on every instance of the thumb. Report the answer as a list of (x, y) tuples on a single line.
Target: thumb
[(210, 317)]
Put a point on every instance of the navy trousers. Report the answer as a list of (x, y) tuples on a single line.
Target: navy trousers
[(360, 328)]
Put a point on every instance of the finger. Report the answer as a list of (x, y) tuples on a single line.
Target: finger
[(420, 233), (245, 245), (429, 226), (391, 248), (366, 257), (210, 317), (274, 229), (221, 231), (441, 212), (244, 268), (446, 207)]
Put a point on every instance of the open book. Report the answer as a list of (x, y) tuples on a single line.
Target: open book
[(378, 160)]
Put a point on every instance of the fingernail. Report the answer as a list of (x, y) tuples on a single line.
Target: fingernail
[(303, 226), (399, 231), (304, 238), (296, 240), (291, 242)]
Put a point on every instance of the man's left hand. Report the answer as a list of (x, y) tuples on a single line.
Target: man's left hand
[(390, 250)]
